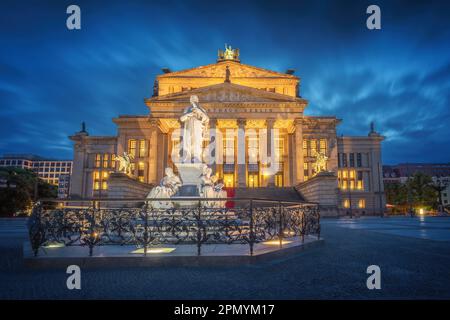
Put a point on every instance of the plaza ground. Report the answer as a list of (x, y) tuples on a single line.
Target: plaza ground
[(413, 254)]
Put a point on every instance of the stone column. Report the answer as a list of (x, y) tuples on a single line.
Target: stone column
[(241, 154), (153, 152), (292, 157), (213, 145), (298, 144), (270, 145)]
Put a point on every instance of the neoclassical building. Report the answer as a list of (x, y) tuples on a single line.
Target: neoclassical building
[(253, 111)]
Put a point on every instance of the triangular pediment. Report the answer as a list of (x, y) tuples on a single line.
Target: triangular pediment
[(237, 70), (226, 92)]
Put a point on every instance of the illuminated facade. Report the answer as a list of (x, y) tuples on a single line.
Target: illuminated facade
[(258, 130)]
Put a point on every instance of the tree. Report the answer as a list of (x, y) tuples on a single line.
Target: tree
[(421, 191), (18, 193), (397, 195)]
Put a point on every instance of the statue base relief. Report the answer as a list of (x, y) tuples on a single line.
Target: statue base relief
[(190, 174)]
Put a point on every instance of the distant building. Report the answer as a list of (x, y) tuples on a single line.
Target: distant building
[(48, 170), (63, 186), (439, 172)]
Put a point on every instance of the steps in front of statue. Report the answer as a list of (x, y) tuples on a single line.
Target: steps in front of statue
[(270, 193)]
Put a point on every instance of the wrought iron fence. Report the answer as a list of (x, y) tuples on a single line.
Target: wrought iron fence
[(96, 222)]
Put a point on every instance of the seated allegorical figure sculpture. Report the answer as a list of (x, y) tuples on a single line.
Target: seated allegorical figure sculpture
[(209, 189), (168, 186)]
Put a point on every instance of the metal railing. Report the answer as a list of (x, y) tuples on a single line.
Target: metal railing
[(95, 222)]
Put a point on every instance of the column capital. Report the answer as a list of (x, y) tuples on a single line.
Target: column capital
[(270, 122), (298, 121), (213, 122), (153, 122), (241, 123)]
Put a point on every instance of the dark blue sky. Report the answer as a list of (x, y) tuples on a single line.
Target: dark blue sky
[(51, 78)]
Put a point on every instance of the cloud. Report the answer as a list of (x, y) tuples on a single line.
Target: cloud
[(51, 79)]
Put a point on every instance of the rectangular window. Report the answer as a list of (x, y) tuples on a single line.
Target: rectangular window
[(361, 203), (339, 160), (323, 145), (313, 147), (96, 176), (279, 150), (360, 184), (113, 160), (358, 160), (352, 160), (132, 147), (344, 160), (98, 160), (105, 160), (142, 149), (346, 203), (305, 148), (228, 180)]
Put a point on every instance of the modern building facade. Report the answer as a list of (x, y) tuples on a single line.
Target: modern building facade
[(48, 170), (253, 112)]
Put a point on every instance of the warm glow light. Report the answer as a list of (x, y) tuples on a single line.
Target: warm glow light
[(154, 250), (54, 245), (276, 242), (421, 211)]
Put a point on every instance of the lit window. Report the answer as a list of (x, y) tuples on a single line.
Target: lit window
[(142, 149), (132, 147), (113, 160), (323, 145), (313, 145), (98, 160), (104, 185), (228, 180), (361, 203), (359, 185), (105, 160), (351, 174), (305, 147), (346, 203)]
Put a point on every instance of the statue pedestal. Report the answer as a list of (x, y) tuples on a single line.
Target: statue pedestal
[(190, 174), (322, 189)]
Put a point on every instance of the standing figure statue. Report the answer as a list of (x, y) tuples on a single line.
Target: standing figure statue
[(195, 123), (168, 186), (321, 162), (125, 162)]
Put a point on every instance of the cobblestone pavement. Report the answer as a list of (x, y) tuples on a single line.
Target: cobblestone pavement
[(413, 254)]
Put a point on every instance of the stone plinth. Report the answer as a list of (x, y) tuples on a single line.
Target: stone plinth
[(121, 186), (322, 189)]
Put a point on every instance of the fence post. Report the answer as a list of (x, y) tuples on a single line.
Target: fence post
[(145, 228), (199, 233), (252, 235), (92, 234), (280, 226), (303, 225)]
